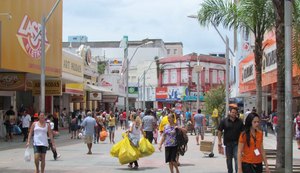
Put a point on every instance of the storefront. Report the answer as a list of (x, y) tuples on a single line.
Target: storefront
[(20, 57)]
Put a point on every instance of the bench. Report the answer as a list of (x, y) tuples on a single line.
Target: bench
[(271, 154)]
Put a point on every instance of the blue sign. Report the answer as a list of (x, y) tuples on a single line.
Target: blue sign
[(193, 98)]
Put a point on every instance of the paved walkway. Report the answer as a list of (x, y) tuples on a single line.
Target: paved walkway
[(75, 160)]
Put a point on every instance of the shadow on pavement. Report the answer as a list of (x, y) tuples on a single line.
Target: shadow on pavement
[(139, 169)]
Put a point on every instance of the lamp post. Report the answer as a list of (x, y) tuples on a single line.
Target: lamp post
[(198, 68), (288, 140), (42, 31), (124, 44), (227, 62)]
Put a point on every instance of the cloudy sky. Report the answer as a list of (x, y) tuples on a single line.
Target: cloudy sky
[(109, 20)]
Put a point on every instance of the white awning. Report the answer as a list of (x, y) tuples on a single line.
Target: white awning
[(94, 88)]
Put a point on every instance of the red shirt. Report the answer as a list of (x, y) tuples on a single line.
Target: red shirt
[(275, 120)]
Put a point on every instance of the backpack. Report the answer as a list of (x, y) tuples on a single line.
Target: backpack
[(182, 140)]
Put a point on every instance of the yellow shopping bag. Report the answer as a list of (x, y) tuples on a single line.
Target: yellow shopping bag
[(127, 152), (115, 149), (145, 147)]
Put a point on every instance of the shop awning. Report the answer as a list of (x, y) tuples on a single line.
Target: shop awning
[(94, 88)]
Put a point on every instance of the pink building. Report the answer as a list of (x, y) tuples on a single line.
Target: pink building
[(177, 81)]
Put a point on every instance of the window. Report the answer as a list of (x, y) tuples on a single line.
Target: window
[(221, 77), (175, 51), (214, 76), (206, 75), (173, 76), (168, 51), (184, 76), (165, 78)]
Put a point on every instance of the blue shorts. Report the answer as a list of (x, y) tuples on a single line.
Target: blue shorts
[(111, 129), (40, 149)]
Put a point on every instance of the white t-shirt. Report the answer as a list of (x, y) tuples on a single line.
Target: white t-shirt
[(26, 121), (40, 137)]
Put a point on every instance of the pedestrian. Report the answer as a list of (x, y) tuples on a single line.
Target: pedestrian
[(200, 125), (89, 123), (232, 127), (297, 129), (251, 151), (73, 126), (26, 119), (40, 131), (264, 119), (54, 150), (9, 123), (134, 133), (111, 127), (149, 124), (169, 140)]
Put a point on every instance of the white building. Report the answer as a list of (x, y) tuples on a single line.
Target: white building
[(141, 60)]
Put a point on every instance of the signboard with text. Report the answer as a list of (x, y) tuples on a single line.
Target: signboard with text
[(52, 88)]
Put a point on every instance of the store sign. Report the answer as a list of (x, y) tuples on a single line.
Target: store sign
[(22, 38), (133, 90), (12, 81), (29, 39), (95, 96), (72, 64), (248, 72), (52, 88), (77, 99), (269, 61), (161, 93)]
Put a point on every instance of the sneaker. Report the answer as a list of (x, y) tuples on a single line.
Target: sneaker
[(58, 156), (135, 167), (129, 165)]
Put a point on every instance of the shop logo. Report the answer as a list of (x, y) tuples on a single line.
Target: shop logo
[(29, 39)]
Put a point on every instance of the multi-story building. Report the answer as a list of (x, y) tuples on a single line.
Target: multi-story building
[(141, 58), (177, 81)]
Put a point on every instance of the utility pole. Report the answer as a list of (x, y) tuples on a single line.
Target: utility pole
[(288, 87), (144, 91), (125, 40), (227, 76)]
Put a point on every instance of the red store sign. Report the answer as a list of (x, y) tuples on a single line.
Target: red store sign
[(161, 93)]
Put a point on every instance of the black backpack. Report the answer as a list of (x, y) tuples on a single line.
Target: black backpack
[(182, 140)]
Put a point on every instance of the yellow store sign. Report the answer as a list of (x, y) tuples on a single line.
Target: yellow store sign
[(20, 39), (52, 88)]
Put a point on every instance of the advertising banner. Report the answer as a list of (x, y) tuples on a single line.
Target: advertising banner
[(12, 81), (21, 34)]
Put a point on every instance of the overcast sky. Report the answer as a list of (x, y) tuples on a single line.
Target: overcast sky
[(109, 20)]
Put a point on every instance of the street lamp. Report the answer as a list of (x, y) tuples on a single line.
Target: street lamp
[(198, 68), (42, 31), (125, 46), (227, 63)]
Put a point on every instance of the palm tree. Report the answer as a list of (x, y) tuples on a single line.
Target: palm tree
[(256, 16)]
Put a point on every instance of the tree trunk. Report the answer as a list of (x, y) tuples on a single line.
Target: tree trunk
[(279, 16), (258, 61)]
